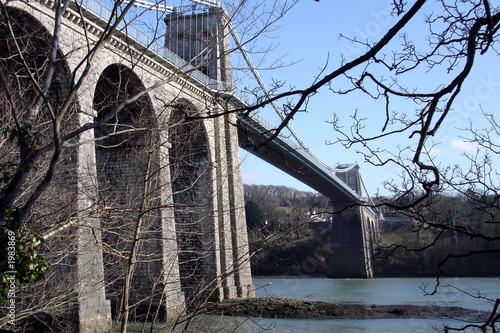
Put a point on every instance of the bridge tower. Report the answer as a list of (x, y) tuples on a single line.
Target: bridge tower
[(354, 232), (199, 34), (128, 210), (354, 226)]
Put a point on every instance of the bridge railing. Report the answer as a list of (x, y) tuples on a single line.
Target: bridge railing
[(269, 128), (103, 12), (258, 123)]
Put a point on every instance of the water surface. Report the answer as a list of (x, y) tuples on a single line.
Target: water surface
[(463, 292)]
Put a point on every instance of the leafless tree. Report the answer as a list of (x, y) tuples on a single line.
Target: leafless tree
[(41, 133), (415, 111), (39, 107)]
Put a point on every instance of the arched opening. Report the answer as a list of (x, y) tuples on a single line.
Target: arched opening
[(24, 58), (129, 190), (25, 118), (191, 175)]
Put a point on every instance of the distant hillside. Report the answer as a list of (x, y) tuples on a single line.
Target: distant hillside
[(413, 261), (289, 235)]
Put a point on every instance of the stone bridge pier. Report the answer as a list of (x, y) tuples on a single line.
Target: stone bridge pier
[(353, 235), (158, 217), (354, 224)]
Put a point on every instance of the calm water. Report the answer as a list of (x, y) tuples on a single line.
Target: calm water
[(357, 291), (374, 291), (383, 291)]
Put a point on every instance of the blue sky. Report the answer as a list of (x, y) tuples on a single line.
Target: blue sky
[(309, 36)]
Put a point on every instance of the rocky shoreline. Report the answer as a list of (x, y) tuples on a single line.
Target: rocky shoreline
[(276, 307)]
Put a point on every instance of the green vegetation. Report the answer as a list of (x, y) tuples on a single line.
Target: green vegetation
[(452, 235), (288, 230)]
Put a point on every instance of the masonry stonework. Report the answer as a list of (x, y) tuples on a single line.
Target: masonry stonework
[(173, 211), (353, 234)]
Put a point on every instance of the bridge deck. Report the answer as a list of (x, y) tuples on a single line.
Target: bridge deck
[(253, 134), (292, 159)]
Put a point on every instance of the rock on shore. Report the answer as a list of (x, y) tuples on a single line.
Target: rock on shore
[(276, 307)]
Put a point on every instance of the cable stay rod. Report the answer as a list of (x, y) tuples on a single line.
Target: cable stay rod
[(248, 60), (262, 85)]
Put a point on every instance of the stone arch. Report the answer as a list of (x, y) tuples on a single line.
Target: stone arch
[(191, 172), (34, 41), (128, 170), (56, 206)]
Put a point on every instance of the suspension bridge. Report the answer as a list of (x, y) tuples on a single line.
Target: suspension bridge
[(288, 153), (196, 241), (356, 228)]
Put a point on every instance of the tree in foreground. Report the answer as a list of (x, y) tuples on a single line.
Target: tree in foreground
[(415, 83), (39, 133), (49, 216)]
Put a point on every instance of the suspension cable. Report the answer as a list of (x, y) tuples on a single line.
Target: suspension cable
[(280, 113), (246, 57)]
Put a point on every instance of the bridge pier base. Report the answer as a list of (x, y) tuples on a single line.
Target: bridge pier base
[(94, 316), (350, 245), (94, 310)]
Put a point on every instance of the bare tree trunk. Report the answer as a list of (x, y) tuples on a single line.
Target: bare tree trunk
[(135, 246)]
